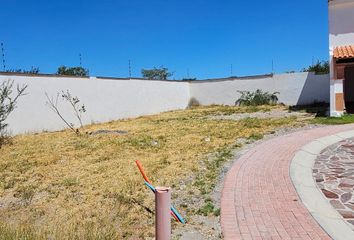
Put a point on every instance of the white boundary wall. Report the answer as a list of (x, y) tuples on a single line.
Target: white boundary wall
[(105, 100), (294, 89), (111, 99)]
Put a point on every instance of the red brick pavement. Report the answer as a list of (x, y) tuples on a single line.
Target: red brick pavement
[(259, 200)]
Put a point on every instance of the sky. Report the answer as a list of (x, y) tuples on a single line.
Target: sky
[(192, 38)]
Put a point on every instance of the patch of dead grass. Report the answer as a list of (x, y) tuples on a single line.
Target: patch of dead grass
[(87, 187)]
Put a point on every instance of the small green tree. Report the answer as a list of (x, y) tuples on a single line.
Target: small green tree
[(8, 101), (73, 71), (321, 67), (161, 73)]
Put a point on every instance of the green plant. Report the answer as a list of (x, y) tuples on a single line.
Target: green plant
[(256, 136), (256, 98), (161, 73), (8, 101), (73, 71), (321, 67), (217, 212), (68, 182), (207, 209)]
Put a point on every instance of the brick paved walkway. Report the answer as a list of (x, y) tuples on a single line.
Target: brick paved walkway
[(259, 200)]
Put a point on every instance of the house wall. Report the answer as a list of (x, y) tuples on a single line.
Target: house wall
[(111, 99), (294, 89), (341, 27)]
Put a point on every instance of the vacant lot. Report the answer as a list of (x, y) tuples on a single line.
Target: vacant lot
[(60, 186)]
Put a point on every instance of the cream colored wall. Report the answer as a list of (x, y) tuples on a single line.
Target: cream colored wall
[(111, 99), (105, 100)]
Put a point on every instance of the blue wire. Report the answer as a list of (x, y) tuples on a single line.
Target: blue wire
[(174, 210)]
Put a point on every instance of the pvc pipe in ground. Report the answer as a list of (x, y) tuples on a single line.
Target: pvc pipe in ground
[(162, 218)]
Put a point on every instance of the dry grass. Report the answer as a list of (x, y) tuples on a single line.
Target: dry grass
[(62, 186)]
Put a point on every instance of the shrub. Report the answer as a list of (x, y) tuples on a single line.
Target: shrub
[(161, 73), (256, 98), (8, 101), (193, 102), (321, 67), (73, 71)]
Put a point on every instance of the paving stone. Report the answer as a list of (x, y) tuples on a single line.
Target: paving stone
[(351, 206), (329, 194), (346, 214), (346, 197), (345, 185), (337, 204)]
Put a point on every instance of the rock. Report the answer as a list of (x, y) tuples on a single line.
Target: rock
[(320, 179), (192, 235), (346, 214), (337, 204), (116, 132), (346, 197), (348, 181), (345, 185), (351, 206), (329, 194)]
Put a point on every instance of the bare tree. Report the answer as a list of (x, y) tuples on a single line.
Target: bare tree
[(78, 109), (74, 102), (8, 101)]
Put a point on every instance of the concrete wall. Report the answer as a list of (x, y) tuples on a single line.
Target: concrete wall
[(294, 89), (105, 100), (111, 99)]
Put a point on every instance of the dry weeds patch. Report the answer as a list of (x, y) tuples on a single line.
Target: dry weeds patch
[(64, 186)]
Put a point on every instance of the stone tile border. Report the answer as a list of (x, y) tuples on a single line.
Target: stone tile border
[(312, 197)]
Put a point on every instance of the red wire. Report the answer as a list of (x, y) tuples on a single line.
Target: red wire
[(147, 180)]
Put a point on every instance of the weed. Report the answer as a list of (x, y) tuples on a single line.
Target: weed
[(69, 182), (109, 199), (9, 183), (217, 212), (25, 193), (207, 209), (256, 136)]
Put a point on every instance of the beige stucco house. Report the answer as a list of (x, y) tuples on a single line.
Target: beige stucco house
[(341, 50)]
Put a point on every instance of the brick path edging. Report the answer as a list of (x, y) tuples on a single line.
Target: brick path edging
[(259, 200)]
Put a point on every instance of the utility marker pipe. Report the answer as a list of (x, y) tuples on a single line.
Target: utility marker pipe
[(162, 209)]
